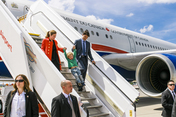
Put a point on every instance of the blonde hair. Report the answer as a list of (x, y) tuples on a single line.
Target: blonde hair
[(26, 87), (49, 33), (69, 53)]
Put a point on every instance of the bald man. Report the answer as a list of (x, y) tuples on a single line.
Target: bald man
[(65, 104)]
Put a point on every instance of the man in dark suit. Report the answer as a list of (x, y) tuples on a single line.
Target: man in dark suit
[(82, 52), (167, 99), (65, 104), (174, 109)]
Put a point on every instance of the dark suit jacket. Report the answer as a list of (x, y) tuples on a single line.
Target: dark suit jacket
[(61, 108), (31, 104), (167, 103), (174, 109), (78, 45)]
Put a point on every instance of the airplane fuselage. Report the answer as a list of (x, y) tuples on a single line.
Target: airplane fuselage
[(105, 39)]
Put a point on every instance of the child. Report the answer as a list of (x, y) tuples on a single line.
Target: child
[(72, 64)]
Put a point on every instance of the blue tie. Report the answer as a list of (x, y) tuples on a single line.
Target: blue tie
[(84, 50)]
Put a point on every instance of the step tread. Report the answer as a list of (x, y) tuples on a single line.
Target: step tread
[(94, 106), (64, 67), (63, 72), (36, 37), (71, 79), (88, 99), (98, 114), (83, 92)]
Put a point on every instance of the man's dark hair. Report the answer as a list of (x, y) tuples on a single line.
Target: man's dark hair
[(86, 32), (170, 81)]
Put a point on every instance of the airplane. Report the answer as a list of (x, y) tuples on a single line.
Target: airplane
[(135, 56)]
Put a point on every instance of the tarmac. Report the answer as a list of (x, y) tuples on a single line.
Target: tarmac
[(148, 106)]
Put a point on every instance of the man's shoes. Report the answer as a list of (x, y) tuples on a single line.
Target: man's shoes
[(80, 88), (83, 84)]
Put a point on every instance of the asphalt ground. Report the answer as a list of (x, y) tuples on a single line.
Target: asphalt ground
[(148, 106)]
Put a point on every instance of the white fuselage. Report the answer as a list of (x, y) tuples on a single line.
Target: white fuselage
[(112, 39), (105, 38)]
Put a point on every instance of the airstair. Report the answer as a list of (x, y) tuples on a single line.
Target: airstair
[(107, 92)]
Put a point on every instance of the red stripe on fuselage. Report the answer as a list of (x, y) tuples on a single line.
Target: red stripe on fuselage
[(97, 47), (0, 58)]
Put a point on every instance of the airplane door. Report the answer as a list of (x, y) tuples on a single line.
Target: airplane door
[(132, 44)]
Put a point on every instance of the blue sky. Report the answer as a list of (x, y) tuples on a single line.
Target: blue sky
[(156, 18)]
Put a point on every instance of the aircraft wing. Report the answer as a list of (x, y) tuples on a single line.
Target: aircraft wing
[(130, 61)]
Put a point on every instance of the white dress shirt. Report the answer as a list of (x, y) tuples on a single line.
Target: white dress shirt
[(172, 93), (18, 108), (66, 96)]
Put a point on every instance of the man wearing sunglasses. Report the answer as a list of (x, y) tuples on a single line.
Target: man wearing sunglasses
[(167, 99)]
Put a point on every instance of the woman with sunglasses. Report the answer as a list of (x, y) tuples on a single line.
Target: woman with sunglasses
[(21, 102)]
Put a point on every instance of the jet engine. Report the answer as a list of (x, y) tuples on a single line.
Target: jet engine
[(154, 71)]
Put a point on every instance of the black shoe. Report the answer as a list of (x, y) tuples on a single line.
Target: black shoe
[(80, 89), (83, 84)]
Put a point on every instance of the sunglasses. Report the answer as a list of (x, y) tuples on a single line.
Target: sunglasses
[(171, 84), (19, 80)]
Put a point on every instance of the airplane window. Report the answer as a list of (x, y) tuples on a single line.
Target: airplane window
[(82, 30), (151, 46), (111, 36), (76, 28), (142, 44), (145, 45), (92, 32), (136, 43), (106, 36), (97, 33), (148, 45), (139, 43)]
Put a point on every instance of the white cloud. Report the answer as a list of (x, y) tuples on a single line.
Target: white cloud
[(69, 5), (158, 1), (130, 15), (66, 5), (107, 21), (146, 29)]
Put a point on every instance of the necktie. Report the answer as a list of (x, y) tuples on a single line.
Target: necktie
[(84, 48), (173, 94), (71, 105)]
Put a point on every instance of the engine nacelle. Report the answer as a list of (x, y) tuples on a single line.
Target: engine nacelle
[(154, 71)]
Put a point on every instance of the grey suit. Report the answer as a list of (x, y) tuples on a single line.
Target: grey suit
[(83, 61), (61, 108), (167, 103)]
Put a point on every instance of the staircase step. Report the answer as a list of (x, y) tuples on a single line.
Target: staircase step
[(63, 72), (95, 106), (64, 67), (74, 85), (34, 34), (36, 37), (99, 115), (79, 92), (83, 99), (71, 79)]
